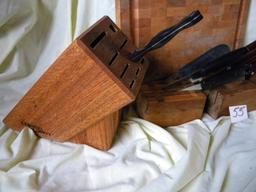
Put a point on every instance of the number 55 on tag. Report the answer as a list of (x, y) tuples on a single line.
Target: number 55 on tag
[(238, 113)]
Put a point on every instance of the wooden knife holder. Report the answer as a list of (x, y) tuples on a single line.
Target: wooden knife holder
[(232, 94), (167, 108), (79, 97)]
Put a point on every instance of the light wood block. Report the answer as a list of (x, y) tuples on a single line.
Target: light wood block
[(237, 93), (89, 82), (170, 108)]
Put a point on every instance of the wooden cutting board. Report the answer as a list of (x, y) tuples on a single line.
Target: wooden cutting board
[(224, 22)]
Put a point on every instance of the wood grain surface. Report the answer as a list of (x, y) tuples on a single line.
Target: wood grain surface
[(173, 108), (236, 93), (91, 80), (101, 134), (224, 22)]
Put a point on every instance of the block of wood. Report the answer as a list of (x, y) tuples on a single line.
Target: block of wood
[(91, 81), (224, 23), (101, 134), (232, 94), (170, 108)]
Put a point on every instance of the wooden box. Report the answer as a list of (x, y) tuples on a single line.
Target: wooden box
[(170, 108), (236, 93), (88, 84)]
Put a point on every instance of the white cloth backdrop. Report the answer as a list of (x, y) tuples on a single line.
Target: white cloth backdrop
[(198, 156)]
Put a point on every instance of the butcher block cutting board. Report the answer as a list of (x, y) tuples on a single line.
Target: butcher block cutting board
[(224, 22)]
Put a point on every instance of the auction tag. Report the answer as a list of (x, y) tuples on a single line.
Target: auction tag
[(238, 113)]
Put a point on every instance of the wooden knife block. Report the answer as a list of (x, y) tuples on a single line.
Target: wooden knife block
[(101, 134), (236, 93), (79, 97), (170, 108)]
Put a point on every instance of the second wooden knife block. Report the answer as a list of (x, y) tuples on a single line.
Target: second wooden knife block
[(84, 89), (168, 108), (232, 94)]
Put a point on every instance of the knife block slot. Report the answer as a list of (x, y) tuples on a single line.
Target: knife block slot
[(85, 87), (98, 39), (112, 47), (123, 44), (124, 71), (129, 73), (114, 29), (132, 83), (113, 58), (138, 70)]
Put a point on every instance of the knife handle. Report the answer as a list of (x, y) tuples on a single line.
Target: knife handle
[(226, 60), (223, 78), (204, 60), (166, 35), (194, 67), (251, 46), (222, 62), (243, 70)]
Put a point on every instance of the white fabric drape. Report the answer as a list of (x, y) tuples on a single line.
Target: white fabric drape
[(198, 156)]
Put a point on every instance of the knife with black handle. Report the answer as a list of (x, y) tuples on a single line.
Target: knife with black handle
[(226, 61), (223, 63), (166, 35), (196, 65), (242, 71), (241, 68), (248, 57), (222, 78)]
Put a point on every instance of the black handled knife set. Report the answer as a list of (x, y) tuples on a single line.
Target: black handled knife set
[(216, 67)]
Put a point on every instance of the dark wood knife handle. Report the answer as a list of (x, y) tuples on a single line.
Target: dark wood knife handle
[(166, 35)]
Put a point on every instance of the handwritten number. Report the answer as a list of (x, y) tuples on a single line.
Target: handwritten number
[(241, 109), (238, 111)]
